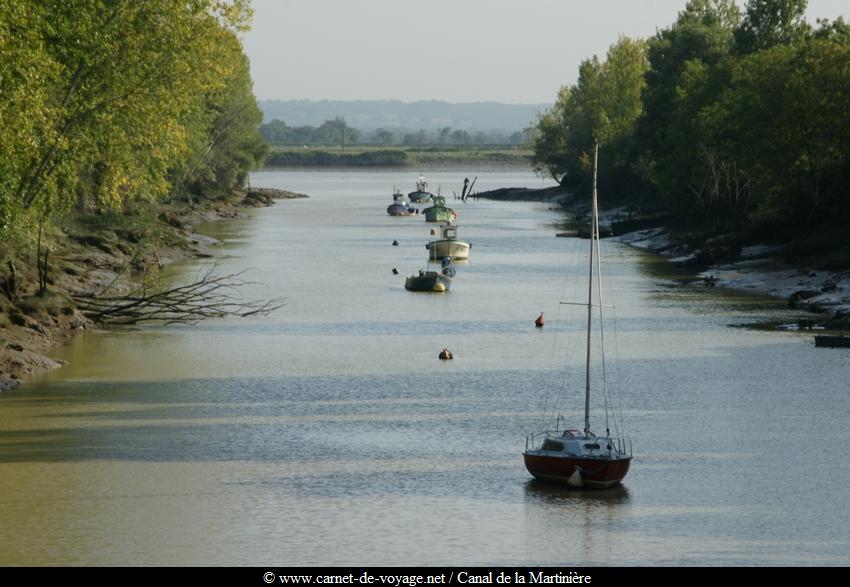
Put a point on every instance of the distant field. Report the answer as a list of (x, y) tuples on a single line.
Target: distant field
[(373, 156)]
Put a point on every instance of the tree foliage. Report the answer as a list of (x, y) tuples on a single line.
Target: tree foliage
[(741, 125), (603, 105), (329, 133), (106, 102)]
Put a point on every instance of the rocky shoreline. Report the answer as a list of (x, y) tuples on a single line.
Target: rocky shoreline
[(29, 331), (758, 269)]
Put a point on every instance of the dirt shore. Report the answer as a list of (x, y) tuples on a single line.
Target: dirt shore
[(34, 325), (756, 268)]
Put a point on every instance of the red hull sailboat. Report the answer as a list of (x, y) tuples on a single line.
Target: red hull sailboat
[(569, 456)]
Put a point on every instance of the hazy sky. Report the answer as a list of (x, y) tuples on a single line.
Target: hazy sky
[(453, 50)]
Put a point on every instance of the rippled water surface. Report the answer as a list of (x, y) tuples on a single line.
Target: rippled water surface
[(329, 433)]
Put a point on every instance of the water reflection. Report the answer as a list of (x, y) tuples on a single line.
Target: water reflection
[(562, 495)]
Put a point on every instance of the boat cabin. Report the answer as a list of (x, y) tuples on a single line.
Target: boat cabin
[(573, 443)]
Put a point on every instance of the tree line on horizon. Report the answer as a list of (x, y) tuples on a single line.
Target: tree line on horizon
[(106, 104), (337, 132), (737, 122)]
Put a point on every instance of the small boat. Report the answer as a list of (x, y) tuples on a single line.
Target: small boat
[(580, 458), (421, 194), (400, 206), (428, 281), (439, 212), (449, 245)]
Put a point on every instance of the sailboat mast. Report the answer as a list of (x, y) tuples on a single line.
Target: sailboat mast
[(593, 237)]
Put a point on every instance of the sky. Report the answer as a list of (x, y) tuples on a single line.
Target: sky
[(515, 51)]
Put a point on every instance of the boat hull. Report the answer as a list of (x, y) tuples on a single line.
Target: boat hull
[(448, 248), (399, 210), (428, 281), (439, 214), (597, 473), (420, 197)]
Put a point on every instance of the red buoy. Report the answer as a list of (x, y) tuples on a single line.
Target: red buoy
[(539, 322)]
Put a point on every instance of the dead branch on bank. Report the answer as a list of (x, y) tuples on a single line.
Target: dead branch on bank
[(211, 296)]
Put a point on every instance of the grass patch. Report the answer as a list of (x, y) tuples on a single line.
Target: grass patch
[(53, 303)]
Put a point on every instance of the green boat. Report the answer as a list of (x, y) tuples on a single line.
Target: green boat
[(439, 212)]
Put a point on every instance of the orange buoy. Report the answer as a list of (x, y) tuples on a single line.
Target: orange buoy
[(539, 322), (446, 355)]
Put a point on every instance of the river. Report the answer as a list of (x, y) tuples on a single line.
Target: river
[(329, 433)]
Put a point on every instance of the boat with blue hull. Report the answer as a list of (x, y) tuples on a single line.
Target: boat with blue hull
[(421, 194), (400, 206)]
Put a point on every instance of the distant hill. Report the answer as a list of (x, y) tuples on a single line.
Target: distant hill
[(432, 115)]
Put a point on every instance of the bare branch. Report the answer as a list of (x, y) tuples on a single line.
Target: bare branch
[(210, 296)]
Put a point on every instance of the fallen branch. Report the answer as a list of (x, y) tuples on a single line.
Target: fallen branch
[(211, 296)]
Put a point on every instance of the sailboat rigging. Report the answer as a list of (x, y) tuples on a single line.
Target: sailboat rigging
[(569, 456)]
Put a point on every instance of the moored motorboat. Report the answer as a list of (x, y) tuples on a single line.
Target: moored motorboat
[(449, 246), (421, 193), (400, 206), (428, 281), (439, 212)]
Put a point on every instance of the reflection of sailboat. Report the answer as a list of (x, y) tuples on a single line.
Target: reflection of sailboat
[(579, 458)]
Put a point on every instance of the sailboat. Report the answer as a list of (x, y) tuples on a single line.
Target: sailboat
[(580, 458)]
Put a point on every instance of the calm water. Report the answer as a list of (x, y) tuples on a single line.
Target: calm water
[(329, 433)]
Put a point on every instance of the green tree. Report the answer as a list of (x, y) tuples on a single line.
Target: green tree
[(768, 23), (336, 132), (689, 67), (224, 139), (26, 111), (414, 139), (785, 120), (124, 73), (603, 105), (276, 133), (384, 137)]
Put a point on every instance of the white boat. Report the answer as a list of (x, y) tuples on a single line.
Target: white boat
[(449, 245), (573, 456)]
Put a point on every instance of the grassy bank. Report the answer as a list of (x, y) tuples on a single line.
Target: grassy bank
[(368, 156)]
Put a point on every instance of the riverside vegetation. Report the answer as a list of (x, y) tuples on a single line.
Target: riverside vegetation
[(122, 123), (366, 156), (734, 125)]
